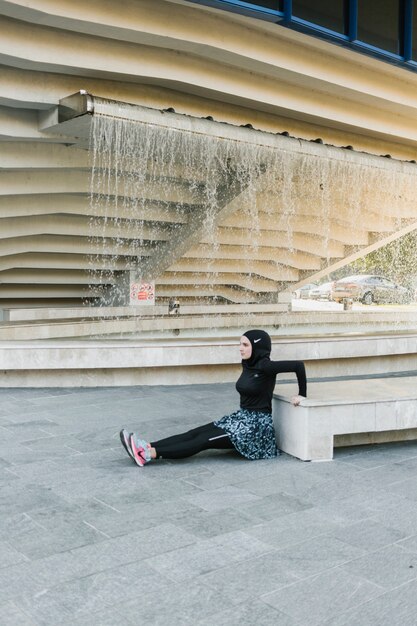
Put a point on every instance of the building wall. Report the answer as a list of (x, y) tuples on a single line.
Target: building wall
[(198, 60)]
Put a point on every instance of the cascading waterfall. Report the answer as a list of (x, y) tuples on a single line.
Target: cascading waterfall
[(152, 185)]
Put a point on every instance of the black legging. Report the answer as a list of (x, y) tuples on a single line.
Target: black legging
[(207, 437)]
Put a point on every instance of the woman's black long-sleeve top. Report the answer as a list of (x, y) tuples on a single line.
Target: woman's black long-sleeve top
[(256, 384)]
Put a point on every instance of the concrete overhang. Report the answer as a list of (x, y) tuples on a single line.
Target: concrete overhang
[(73, 115), (70, 118)]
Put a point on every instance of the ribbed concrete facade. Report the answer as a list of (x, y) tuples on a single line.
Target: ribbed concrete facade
[(203, 63)]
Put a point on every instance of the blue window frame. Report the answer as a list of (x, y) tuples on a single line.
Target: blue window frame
[(386, 29), (413, 33), (258, 8)]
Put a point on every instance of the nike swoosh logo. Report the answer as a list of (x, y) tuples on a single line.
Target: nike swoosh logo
[(256, 340)]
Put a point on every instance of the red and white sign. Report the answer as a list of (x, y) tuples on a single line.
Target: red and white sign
[(142, 293)]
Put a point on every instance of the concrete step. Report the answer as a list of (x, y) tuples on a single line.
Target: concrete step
[(204, 359)]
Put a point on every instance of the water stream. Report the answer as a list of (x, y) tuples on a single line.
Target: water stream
[(164, 200)]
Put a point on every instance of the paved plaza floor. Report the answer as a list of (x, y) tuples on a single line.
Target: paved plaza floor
[(87, 538)]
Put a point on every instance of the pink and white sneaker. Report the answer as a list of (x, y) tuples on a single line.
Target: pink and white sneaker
[(141, 450), (125, 439)]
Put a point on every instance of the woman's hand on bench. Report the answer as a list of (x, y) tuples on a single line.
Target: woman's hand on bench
[(295, 400)]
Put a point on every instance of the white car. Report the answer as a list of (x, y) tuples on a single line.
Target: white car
[(304, 291), (322, 292)]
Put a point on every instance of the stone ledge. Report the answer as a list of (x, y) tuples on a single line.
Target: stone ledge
[(342, 409), (194, 322), (57, 354), (206, 359)]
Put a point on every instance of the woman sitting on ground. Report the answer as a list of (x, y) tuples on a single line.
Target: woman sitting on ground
[(250, 430)]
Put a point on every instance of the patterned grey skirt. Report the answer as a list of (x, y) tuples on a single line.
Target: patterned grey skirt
[(251, 432)]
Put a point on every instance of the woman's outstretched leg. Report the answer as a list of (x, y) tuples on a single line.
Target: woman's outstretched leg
[(179, 446), (207, 437), (189, 435)]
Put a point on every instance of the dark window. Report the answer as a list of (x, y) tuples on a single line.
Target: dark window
[(267, 4), (379, 24), (327, 13)]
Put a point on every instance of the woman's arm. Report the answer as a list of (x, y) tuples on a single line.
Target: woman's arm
[(280, 367)]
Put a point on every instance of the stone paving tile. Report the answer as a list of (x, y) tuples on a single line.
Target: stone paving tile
[(21, 497), (104, 617), (12, 615), (250, 614), (58, 446), (343, 487), (327, 470), (314, 600), (274, 506), (318, 554), (86, 510), (397, 512), (7, 476), (247, 580), (103, 589), (390, 473), (222, 498), (16, 526), (37, 392), (377, 500), (40, 543), (42, 609), (367, 457), (397, 606), (347, 510), (95, 558), (209, 481), (4, 464), (206, 524), (296, 528), (9, 556), (405, 488), (32, 429), (371, 535), (388, 567), (32, 414), (261, 478), (179, 604), (4, 421), (411, 461), (6, 436), (71, 565), (93, 458), (409, 544), (115, 523), (9, 404), (16, 578), (42, 471), (208, 555), (87, 397), (213, 538), (290, 480), (145, 490), (21, 454)]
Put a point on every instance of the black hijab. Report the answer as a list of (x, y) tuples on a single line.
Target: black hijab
[(261, 347)]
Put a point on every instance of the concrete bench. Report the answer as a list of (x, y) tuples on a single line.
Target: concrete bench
[(345, 412)]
